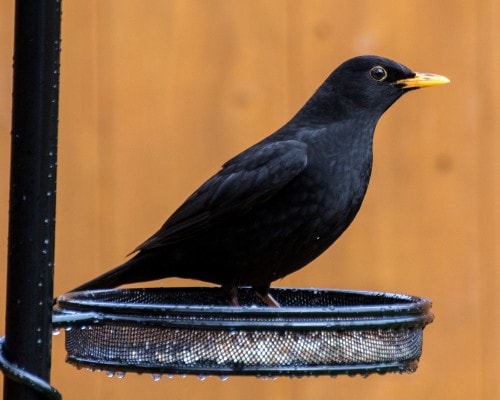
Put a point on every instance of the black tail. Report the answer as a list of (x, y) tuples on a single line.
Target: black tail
[(108, 280), (137, 269)]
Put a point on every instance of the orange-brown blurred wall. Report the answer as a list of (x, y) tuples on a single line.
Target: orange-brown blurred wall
[(157, 94)]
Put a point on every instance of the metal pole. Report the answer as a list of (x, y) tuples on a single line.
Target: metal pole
[(32, 193)]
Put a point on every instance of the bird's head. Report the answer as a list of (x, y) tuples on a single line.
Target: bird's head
[(369, 83)]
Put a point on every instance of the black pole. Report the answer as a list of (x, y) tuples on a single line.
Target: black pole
[(32, 193)]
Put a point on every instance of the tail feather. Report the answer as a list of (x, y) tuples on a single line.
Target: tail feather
[(108, 280), (134, 270)]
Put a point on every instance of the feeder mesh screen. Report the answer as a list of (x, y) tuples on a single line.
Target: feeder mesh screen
[(180, 348)]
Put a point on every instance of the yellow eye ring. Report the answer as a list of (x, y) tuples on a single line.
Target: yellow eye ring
[(378, 73)]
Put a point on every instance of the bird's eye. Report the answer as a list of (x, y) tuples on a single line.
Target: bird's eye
[(378, 73)]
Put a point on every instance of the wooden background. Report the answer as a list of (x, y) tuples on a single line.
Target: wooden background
[(155, 95)]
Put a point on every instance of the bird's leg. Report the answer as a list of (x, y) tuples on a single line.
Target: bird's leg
[(263, 293), (231, 294)]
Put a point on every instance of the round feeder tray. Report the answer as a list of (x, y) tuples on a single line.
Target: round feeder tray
[(193, 331)]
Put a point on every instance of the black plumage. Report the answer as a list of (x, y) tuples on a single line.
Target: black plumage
[(279, 204)]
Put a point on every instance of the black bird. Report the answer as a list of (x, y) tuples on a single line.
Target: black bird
[(282, 202)]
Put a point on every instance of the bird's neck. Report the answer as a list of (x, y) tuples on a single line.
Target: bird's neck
[(349, 139), (321, 110), (344, 135)]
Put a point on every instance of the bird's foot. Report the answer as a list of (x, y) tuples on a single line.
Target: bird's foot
[(231, 295), (268, 299), (263, 293), (233, 301)]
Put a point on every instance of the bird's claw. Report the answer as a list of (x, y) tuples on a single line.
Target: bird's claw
[(268, 299)]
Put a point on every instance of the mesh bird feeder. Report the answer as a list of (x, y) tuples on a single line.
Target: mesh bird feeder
[(191, 331), (163, 331)]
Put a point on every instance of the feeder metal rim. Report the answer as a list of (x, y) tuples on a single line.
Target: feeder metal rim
[(286, 311), (72, 311), (414, 305), (259, 371), (61, 320)]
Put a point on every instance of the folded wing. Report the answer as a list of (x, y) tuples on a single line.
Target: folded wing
[(244, 182)]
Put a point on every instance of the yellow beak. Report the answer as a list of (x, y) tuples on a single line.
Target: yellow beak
[(421, 80)]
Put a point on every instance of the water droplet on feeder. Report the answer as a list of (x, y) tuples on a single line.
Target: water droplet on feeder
[(224, 378), (56, 331), (68, 328), (110, 374), (120, 375), (170, 376), (202, 377), (156, 377)]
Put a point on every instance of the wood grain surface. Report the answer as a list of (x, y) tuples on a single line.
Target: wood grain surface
[(157, 94)]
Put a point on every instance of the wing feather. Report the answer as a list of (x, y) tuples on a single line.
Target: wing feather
[(244, 182)]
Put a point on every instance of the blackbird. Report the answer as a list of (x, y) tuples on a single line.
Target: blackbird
[(282, 202)]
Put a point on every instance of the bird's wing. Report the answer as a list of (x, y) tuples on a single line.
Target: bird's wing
[(244, 182)]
